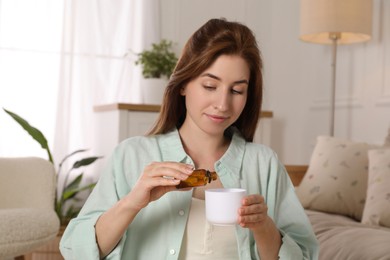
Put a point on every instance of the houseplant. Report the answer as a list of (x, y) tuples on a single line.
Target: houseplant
[(70, 189), (159, 61), (157, 66)]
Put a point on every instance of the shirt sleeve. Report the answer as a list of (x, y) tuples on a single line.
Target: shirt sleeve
[(290, 249), (298, 239), (79, 238)]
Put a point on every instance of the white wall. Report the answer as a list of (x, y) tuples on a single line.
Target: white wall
[(298, 74)]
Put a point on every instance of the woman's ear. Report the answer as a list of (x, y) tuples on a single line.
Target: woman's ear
[(183, 91)]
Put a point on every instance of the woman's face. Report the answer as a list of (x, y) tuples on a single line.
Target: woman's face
[(216, 98)]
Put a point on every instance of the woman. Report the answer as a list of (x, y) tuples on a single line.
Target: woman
[(208, 119)]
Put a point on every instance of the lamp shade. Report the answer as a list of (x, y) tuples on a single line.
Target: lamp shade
[(350, 20)]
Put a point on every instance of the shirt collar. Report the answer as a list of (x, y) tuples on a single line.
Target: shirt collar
[(172, 147), (233, 157)]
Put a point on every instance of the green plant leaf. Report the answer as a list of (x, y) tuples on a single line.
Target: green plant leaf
[(73, 188), (70, 155), (74, 184), (85, 162), (87, 187), (72, 193), (67, 195), (34, 132), (71, 212)]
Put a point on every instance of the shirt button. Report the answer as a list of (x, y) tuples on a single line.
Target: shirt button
[(172, 251), (181, 212)]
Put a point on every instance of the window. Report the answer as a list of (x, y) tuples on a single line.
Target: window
[(30, 44)]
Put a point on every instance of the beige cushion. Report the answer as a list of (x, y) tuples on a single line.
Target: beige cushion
[(336, 181), (377, 208), (24, 229)]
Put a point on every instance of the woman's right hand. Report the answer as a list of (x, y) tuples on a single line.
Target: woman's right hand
[(157, 179)]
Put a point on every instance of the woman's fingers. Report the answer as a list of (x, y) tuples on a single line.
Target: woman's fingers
[(252, 199), (253, 210), (157, 179), (169, 170)]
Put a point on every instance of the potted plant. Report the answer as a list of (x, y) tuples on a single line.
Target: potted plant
[(157, 66), (71, 188)]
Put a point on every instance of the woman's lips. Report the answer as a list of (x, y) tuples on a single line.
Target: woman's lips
[(218, 119)]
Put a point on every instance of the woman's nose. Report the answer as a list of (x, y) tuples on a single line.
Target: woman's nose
[(222, 101)]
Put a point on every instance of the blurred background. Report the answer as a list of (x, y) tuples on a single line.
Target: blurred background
[(60, 59)]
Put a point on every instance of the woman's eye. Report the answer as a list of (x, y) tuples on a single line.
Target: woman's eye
[(239, 92), (209, 87)]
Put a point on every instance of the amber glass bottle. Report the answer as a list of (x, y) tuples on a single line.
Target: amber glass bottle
[(199, 177)]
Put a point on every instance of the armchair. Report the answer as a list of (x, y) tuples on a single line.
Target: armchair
[(27, 216)]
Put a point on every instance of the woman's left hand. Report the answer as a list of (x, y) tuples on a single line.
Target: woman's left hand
[(253, 212), (253, 215)]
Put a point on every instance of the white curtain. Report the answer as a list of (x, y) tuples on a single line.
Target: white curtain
[(58, 59), (30, 41), (95, 69)]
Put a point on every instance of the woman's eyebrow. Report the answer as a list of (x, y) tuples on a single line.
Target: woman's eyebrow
[(211, 76), (219, 79)]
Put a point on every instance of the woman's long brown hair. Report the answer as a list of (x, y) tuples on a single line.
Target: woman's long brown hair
[(216, 37)]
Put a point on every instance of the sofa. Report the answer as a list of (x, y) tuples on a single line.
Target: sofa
[(345, 191)]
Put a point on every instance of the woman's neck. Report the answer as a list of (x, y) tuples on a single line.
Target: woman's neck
[(204, 149)]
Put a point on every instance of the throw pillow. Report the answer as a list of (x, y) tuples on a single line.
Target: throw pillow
[(336, 180), (377, 208)]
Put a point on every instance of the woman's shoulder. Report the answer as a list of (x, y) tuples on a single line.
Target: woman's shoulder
[(259, 147), (250, 147), (264, 153), (138, 139), (137, 143), (148, 142)]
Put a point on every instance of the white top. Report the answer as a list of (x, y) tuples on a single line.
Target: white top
[(205, 241)]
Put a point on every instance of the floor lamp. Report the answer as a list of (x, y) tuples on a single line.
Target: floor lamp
[(335, 22)]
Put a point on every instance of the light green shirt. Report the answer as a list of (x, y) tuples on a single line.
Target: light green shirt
[(158, 229)]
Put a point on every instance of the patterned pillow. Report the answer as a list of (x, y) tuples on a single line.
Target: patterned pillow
[(377, 209), (336, 181)]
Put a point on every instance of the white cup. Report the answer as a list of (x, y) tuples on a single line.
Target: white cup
[(222, 205)]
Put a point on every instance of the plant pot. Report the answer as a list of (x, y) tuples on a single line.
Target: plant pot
[(153, 90)]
